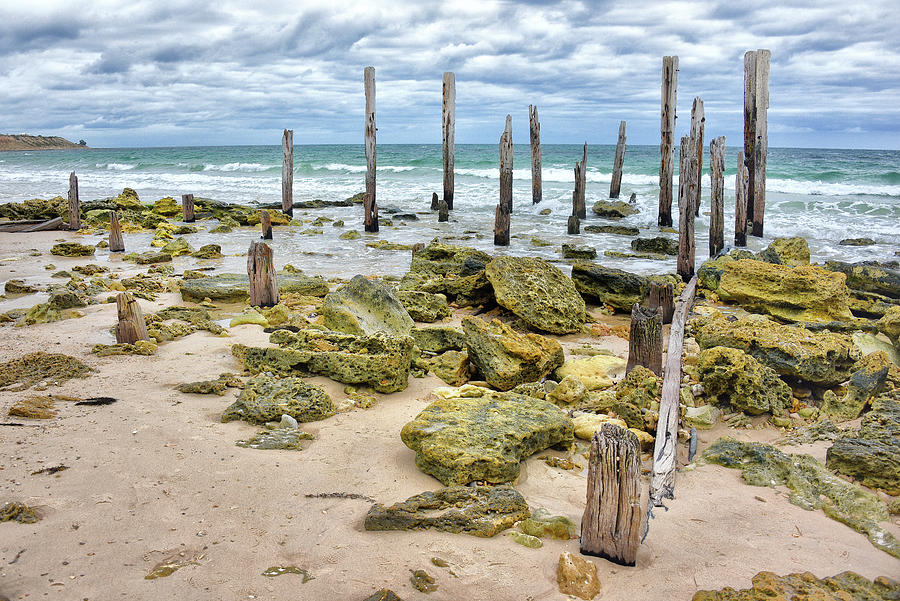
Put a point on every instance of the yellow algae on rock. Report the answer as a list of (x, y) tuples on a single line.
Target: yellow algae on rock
[(594, 372), (589, 423)]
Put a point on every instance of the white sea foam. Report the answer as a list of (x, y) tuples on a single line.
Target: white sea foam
[(362, 168), (115, 166), (247, 167), (816, 188)]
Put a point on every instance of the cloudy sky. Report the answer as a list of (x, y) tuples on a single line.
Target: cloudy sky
[(169, 72)]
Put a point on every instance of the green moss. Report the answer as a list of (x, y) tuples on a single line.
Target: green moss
[(363, 307), (42, 313), (141, 347), (167, 207), (71, 249), (266, 399), (208, 251), (734, 378), (542, 525), (40, 368)]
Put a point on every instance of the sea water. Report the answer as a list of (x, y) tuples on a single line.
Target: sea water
[(824, 195)]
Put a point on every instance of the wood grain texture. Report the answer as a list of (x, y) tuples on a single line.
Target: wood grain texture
[(667, 139), (74, 203), (131, 326), (716, 196), (448, 130), (615, 186), (741, 183), (263, 281), (370, 206), (645, 339), (535, 137), (287, 172), (187, 208), (116, 241)]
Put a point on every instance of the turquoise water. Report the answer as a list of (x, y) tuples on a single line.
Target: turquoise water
[(824, 195)]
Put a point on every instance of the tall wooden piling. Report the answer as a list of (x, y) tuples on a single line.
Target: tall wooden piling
[(504, 207), (717, 195), (537, 192), (645, 339), (370, 207), (187, 208), (741, 182), (686, 202), (261, 269), (116, 242), (667, 139), (615, 185), (131, 326), (265, 224), (578, 208), (448, 120), (611, 524), (74, 203), (698, 128), (287, 172), (661, 298), (756, 136)]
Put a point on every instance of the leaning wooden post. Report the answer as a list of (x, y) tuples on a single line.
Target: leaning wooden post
[(740, 202), (611, 523), (536, 183), (616, 184), (667, 139), (287, 172), (131, 326), (756, 137), (698, 127), (717, 196), (448, 119), (116, 242), (661, 298), (265, 223), (74, 203), (686, 202), (645, 339), (369, 205), (187, 208), (662, 482), (261, 269)]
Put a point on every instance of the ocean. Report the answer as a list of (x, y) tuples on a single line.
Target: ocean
[(824, 195)]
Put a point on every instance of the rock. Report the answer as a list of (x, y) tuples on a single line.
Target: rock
[(18, 287), (507, 358), (622, 230), (588, 424), (823, 358), (570, 391), (383, 595), (542, 525), (872, 456), (276, 217), (451, 366), (265, 399), (439, 339), (535, 241), (455, 271), (128, 199), (167, 207), (350, 235), (640, 387), (802, 293), (140, 347), (208, 251), (594, 372), (732, 377), (71, 249), (64, 298), (177, 248), (42, 313), (149, 258), (545, 212), (456, 437), (870, 276), (422, 582), (856, 242), (526, 540), (40, 369), (284, 439), (249, 317), (537, 292), (424, 306), (477, 510), (703, 417), (233, 287), (786, 251), (805, 586), (889, 325), (363, 307), (36, 208), (659, 244), (614, 287), (577, 251), (577, 576), (216, 387), (613, 209), (874, 373)]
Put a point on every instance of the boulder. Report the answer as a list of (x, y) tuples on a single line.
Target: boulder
[(870, 276), (424, 306), (537, 292), (167, 207), (786, 251), (823, 358), (438, 339), (36, 208), (710, 272), (266, 398), (18, 287), (659, 244), (507, 358), (472, 433), (594, 372), (569, 391), (889, 325), (857, 242), (614, 287), (577, 576), (451, 366), (621, 230), (235, 287), (208, 251), (455, 271), (128, 199), (732, 377), (614, 209), (875, 373), (363, 307), (71, 249), (588, 424), (64, 298), (872, 456), (177, 247), (578, 251)]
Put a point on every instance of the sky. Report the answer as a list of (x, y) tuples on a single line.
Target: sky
[(181, 73)]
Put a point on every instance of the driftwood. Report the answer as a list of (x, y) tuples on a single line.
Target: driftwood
[(660, 297), (667, 139), (131, 326), (615, 186), (698, 126), (687, 188), (448, 126), (74, 203), (574, 225), (662, 483), (535, 128), (31, 225), (287, 172), (116, 241), (265, 224), (187, 208), (261, 269), (716, 196), (645, 339), (611, 524), (370, 206), (741, 182), (756, 136)]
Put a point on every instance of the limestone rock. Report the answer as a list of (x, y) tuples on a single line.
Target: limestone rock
[(536, 291), (178, 247), (889, 325), (234, 287), (18, 287), (870, 276), (617, 288), (285, 439), (383, 595), (40, 368), (875, 372), (767, 586), (577, 576), (472, 434), (451, 366), (578, 251), (786, 251), (167, 207), (507, 358), (570, 391), (42, 313), (622, 230), (439, 339), (424, 306), (36, 208), (363, 307), (543, 525), (614, 209), (588, 424), (71, 249), (703, 417), (873, 456), (595, 372), (208, 251), (659, 244), (454, 271), (732, 377), (265, 399)]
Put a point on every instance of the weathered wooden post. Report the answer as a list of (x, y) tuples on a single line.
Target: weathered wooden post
[(74, 203), (698, 127), (116, 242), (131, 326), (537, 192), (504, 208), (756, 136), (717, 195), (667, 139), (443, 211), (435, 201), (574, 225), (369, 205), (187, 208), (645, 339), (265, 223), (686, 203), (287, 172), (578, 208), (741, 183), (616, 184), (661, 298), (611, 524), (448, 118), (261, 269)]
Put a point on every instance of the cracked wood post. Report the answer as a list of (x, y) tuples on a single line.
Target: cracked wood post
[(662, 482), (535, 127), (661, 297), (131, 326), (504, 207), (756, 137), (116, 242), (443, 211), (615, 185), (740, 201), (574, 225), (698, 127), (611, 523), (187, 208), (74, 203), (261, 269), (645, 339), (448, 120), (578, 208), (435, 201), (265, 223), (716, 196), (667, 139), (687, 189), (369, 205), (287, 172)]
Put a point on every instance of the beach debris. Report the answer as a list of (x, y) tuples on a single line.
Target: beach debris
[(281, 438), (71, 249), (34, 407), (476, 510), (422, 582), (141, 347), (266, 398), (51, 470), (363, 307), (282, 570), (872, 454), (339, 495), (18, 512), (173, 563), (577, 576), (732, 377), (805, 585), (40, 368)]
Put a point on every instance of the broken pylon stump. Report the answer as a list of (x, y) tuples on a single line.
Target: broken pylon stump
[(265, 223), (615, 186), (261, 269), (187, 208), (116, 242), (645, 339), (131, 326), (74, 203), (287, 172), (370, 219), (661, 297), (574, 225)]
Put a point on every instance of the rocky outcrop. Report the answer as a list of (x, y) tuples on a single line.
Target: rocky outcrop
[(659, 244), (786, 251), (614, 209), (234, 287), (454, 271), (875, 373), (424, 306), (36, 208), (438, 339), (767, 586), (732, 377), (537, 292), (594, 372), (614, 287), (577, 251), (870, 276), (873, 456), (266, 399), (363, 307)]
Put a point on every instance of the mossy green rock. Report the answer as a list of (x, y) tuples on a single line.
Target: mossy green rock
[(266, 399), (768, 586), (732, 377), (578, 251), (234, 287), (36, 208), (71, 249), (874, 374), (659, 244), (614, 209), (537, 292), (822, 358), (424, 306), (507, 358), (614, 287), (128, 199), (140, 347), (451, 366), (640, 387), (64, 298), (148, 258), (802, 293), (178, 247), (570, 391), (438, 339), (596, 372), (786, 251), (477, 510), (873, 456), (462, 438), (249, 317), (350, 235), (40, 368), (455, 271), (167, 207), (889, 325), (284, 439), (543, 526), (364, 307), (870, 276), (208, 251), (621, 230), (18, 287), (42, 313)]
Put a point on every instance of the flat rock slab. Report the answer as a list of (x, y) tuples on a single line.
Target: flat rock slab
[(235, 287), (614, 209), (873, 456), (770, 586), (363, 307), (617, 288), (265, 399)]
